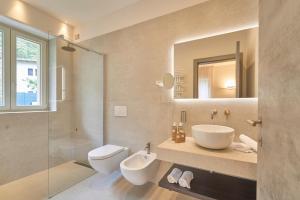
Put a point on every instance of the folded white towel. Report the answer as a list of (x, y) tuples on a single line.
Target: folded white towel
[(240, 146), (185, 179), (247, 140), (174, 176)]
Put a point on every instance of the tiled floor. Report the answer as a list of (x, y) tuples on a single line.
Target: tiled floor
[(35, 187), (115, 187), (96, 187)]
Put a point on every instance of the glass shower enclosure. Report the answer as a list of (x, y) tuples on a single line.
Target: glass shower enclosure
[(75, 119), (44, 148)]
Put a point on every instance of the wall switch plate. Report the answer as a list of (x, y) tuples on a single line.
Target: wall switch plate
[(120, 111)]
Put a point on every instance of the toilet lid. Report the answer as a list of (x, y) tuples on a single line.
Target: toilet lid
[(105, 151)]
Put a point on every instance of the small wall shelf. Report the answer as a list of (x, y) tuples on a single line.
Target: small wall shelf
[(210, 186)]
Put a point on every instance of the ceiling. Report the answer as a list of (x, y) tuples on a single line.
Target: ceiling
[(76, 12), (91, 18)]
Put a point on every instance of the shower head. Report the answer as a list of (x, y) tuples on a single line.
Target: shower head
[(68, 48)]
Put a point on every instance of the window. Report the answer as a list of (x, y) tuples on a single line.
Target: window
[(25, 71)]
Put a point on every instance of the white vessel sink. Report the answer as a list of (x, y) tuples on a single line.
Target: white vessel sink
[(213, 136)]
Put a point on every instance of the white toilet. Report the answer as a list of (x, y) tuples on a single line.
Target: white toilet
[(107, 158)]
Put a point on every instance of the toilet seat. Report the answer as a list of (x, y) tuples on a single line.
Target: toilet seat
[(107, 158), (105, 152)]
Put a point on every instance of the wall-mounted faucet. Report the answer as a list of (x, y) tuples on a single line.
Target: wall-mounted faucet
[(226, 112), (148, 147), (213, 113)]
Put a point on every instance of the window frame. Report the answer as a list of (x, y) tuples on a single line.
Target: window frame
[(6, 67), (43, 71), (10, 67)]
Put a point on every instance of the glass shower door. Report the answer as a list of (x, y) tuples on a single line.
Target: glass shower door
[(76, 117)]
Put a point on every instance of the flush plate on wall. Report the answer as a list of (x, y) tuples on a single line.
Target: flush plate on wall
[(120, 111)]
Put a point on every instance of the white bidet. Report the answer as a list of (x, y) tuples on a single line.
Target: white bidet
[(140, 167)]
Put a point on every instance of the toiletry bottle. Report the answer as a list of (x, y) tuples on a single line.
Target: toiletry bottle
[(174, 131), (182, 132), (180, 135)]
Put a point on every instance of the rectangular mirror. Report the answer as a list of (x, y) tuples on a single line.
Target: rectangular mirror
[(222, 66)]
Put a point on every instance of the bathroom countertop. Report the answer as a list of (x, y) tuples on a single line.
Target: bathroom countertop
[(225, 161)]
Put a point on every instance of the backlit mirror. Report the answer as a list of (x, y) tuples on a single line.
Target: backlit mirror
[(222, 66)]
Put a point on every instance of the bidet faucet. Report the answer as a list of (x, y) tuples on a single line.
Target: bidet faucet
[(148, 148), (213, 113)]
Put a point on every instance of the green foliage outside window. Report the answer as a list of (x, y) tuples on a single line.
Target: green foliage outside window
[(27, 50), (32, 84)]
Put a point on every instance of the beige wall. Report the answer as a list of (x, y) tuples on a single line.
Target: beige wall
[(139, 55), (30, 16), (279, 99), (23, 145)]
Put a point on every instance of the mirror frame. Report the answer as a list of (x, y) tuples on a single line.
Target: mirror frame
[(217, 59)]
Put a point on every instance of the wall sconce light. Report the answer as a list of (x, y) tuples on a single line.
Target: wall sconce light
[(230, 84)]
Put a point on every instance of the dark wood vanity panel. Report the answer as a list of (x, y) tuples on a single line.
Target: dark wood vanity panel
[(210, 185)]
